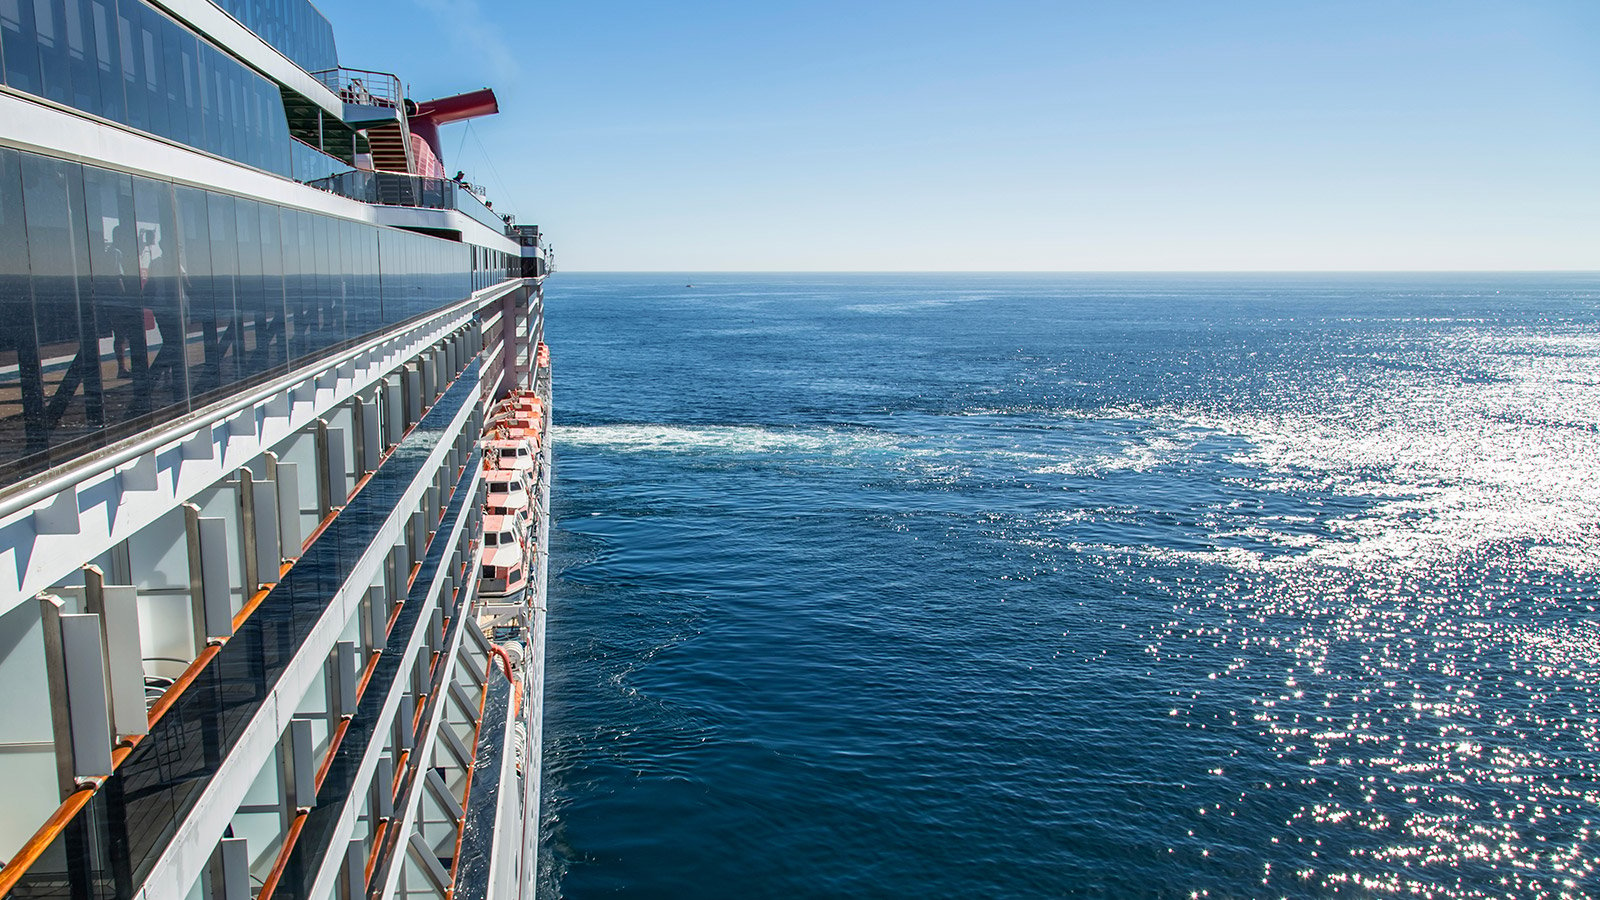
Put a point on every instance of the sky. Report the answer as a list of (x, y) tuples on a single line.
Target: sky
[(1020, 136)]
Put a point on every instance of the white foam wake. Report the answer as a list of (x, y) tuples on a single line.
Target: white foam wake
[(722, 439)]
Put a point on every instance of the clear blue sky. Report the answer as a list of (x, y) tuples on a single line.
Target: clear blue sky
[(1006, 135)]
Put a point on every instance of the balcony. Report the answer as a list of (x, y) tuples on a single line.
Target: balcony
[(400, 189), (362, 87)]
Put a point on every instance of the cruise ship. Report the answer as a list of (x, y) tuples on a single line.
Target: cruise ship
[(251, 338)]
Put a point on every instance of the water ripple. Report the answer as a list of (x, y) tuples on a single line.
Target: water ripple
[(1208, 587)]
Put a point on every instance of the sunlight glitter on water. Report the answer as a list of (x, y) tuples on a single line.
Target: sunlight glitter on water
[(1217, 597), (1423, 665)]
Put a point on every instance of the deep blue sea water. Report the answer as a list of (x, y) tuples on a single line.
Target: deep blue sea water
[(1035, 586)]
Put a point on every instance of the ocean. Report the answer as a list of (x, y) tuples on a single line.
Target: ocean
[(1013, 586)]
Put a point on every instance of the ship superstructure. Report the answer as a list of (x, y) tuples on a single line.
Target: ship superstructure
[(249, 337)]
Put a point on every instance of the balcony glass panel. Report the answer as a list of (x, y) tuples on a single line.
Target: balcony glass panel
[(473, 860), (156, 215), (112, 232), (338, 788), (272, 350), (214, 310), (126, 300), (400, 189), (110, 846), (19, 348), (307, 163), (66, 396), (126, 61)]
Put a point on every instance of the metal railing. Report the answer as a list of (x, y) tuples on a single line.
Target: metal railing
[(400, 189), (105, 846), (524, 235), (362, 87)]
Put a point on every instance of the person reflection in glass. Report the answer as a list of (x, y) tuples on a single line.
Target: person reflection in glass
[(127, 318), (162, 284)]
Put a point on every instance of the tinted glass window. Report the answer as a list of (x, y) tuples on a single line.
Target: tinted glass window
[(52, 196), (207, 286), (252, 310), (102, 25), (124, 299), (177, 45), (119, 309), (131, 61), (270, 341), (313, 332), (161, 275), (49, 22), (81, 69), (294, 284), (21, 399), (149, 45)]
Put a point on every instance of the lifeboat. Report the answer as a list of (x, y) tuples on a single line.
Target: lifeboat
[(513, 455), (524, 406), (510, 493), (504, 570), (515, 431), (522, 417)]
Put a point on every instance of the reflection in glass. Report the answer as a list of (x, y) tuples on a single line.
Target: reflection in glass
[(79, 41), (102, 24), (208, 258), (19, 45), (131, 64), (251, 315), (119, 306), (19, 349), (271, 349), (124, 300), (54, 82), (176, 45), (148, 47), (156, 233), (64, 402)]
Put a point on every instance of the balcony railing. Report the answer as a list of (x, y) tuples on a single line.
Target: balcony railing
[(106, 842), (400, 189), (307, 163), (362, 87)]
